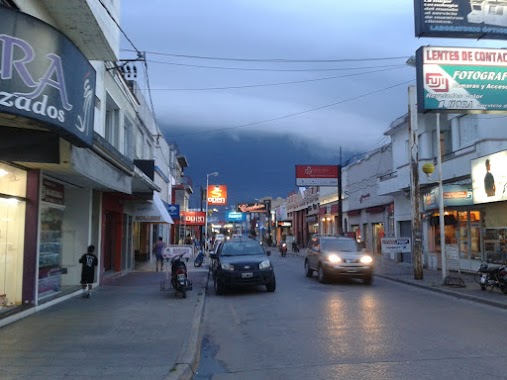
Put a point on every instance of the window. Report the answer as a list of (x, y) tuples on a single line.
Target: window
[(128, 129), (139, 143), (112, 125)]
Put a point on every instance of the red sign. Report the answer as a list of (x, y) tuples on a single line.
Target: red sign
[(192, 218), (217, 195), (316, 175)]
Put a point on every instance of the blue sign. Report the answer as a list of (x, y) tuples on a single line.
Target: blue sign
[(454, 195), (44, 77), (235, 216), (173, 210)]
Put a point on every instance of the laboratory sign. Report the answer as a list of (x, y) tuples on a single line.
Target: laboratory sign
[(478, 19), (44, 77), (461, 80)]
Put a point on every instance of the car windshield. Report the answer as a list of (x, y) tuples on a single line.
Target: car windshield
[(344, 245), (241, 248)]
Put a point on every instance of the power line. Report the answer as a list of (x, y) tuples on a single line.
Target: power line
[(275, 60), (253, 68), (119, 27), (296, 113), (277, 83)]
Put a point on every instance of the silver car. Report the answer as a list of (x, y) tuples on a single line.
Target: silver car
[(337, 256)]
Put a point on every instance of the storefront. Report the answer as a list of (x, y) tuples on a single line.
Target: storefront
[(328, 215), (462, 227), (13, 186)]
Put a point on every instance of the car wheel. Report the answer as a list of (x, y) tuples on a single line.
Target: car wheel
[(322, 275), (368, 280), (271, 286), (219, 288), (308, 270)]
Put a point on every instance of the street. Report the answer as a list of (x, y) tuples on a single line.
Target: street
[(347, 330)]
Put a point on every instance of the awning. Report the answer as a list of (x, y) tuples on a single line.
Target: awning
[(153, 212)]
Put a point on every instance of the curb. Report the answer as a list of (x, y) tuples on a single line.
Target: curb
[(189, 355), (446, 292)]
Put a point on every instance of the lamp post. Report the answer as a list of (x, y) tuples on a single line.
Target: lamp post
[(214, 174)]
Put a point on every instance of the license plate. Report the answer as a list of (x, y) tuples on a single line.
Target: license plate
[(352, 271), (181, 277), (247, 275)]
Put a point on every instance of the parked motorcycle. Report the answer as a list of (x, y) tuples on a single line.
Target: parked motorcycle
[(283, 249), (199, 259), (492, 276), (179, 276)]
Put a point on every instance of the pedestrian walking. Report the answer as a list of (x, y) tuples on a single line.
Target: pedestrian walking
[(88, 263), (158, 249)]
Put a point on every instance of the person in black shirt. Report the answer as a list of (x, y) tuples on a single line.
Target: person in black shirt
[(88, 261), (489, 181)]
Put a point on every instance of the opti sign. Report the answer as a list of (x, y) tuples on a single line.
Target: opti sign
[(217, 195)]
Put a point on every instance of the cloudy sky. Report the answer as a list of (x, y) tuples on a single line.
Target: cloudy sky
[(251, 88)]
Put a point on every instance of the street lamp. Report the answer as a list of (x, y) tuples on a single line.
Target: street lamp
[(214, 174)]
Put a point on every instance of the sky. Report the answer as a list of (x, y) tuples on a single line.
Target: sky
[(251, 88)]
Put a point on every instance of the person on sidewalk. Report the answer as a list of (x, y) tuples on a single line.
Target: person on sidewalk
[(88, 263), (158, 250)]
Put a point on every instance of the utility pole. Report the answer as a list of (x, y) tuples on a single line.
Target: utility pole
[(415, 194)]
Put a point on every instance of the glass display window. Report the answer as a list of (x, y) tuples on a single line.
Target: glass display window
[(50, 250), (12, 234)]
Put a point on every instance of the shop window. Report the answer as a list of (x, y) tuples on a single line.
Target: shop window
[(50, 251), (12, 228)]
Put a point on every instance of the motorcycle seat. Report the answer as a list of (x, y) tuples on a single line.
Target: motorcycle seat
[(490, 268)]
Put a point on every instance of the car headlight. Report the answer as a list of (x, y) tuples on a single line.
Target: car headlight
[(334, 258), (266, 264), (366, 259), (227, 266)]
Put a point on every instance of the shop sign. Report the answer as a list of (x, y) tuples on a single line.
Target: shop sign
[(235, 216), (489, 179), (252, 207), (193, 218), (477, 19), (464, 80), (174, 211), (52, 192), (454, 195), (284, 224), (317, 175), (217, 195), (395, 245), (45, 77)]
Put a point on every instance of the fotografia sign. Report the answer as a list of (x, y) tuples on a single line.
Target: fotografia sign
[(461, 80), (479, 19), (316, 175)]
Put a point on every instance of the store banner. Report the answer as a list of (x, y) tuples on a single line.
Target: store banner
[(317, 175), (44, 77), (217, 195), (477, 19), (193, 218), (461, 80)]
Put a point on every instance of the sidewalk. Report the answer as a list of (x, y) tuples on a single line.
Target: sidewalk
[(130, 329)]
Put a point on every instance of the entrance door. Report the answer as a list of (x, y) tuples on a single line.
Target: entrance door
[(109, 241)]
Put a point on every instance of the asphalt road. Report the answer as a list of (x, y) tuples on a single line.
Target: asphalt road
[(347, 330)]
